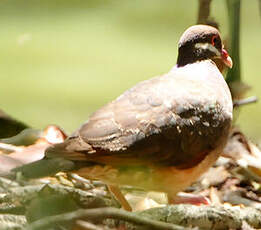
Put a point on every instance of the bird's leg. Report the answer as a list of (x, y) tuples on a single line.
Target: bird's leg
[(188, 198), (115, 190)]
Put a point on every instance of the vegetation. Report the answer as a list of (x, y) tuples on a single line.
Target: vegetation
[(62, 60)]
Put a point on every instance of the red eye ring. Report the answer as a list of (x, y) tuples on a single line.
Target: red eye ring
[(214, 40)]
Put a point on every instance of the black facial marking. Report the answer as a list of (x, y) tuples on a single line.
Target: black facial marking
[(188, 53)]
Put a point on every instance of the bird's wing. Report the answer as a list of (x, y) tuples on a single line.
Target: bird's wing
[(157, 121)]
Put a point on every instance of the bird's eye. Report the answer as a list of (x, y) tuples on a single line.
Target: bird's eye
[(214, 40)]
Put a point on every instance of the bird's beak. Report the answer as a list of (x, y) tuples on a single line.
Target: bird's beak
[(226, 58)]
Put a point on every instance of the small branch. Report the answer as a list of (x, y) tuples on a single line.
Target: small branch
[(9, 221), (246, 101), (26, 193), (7, 184), (203, 11), (234, 74), (207, 217), (260, 8), (9, 148), (103, 213), (168, 217), (91, 183), (87, 225)]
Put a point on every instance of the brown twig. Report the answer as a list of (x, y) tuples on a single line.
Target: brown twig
[(260, 8), (204, 11), (116, 192)]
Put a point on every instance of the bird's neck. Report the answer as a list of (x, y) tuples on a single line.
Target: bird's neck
[(189, 55)]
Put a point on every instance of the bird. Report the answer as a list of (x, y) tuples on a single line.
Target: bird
[(159, 135)]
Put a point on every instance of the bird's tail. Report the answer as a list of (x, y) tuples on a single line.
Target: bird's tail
[(43, 168), (59, 157)]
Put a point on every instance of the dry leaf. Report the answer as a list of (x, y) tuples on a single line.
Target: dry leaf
[(24, 155)]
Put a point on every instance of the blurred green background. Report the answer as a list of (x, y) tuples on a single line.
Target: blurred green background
[(62, 60)]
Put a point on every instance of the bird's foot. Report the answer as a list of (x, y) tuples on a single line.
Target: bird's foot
[(116, 192)]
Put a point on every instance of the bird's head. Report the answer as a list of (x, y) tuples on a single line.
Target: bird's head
[(201, 42)]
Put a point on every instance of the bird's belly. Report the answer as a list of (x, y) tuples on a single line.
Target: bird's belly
[(164, 179), (173, 180)]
